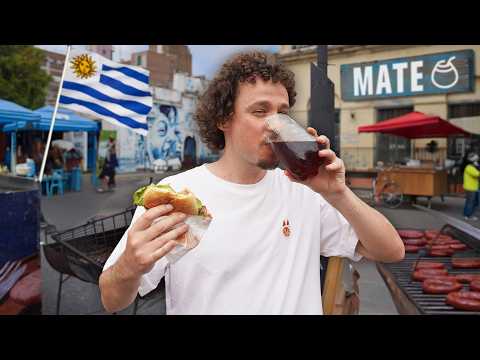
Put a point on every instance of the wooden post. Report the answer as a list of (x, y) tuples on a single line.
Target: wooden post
[(333, 280)]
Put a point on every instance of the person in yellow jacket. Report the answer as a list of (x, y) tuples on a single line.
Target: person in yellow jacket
[(470, 185)]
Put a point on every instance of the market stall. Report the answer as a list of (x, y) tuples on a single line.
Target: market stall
[(66, 121), (11, 113), (416, 179)]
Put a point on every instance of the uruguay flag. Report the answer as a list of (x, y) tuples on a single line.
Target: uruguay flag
[(107, 90)]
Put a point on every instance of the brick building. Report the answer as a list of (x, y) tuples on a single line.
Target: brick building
[(53, 65), (105, 50), (163, 61)]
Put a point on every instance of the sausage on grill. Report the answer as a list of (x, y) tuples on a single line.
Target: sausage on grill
[(440, 286), (438, 247), (464, 300), (410, 234), (466, 263), (436, 236), (416, 242), (441, 253), (428, 265), (458, 247), (421, 275), (467, 278), (412, 248), (444, 242), (431, 234)]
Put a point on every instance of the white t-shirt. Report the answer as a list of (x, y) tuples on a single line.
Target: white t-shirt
[(245, 264)]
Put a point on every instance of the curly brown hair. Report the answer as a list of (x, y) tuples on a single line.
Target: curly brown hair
[(216, 105)]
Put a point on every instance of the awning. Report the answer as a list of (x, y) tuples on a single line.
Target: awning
[(415, 125), (10, 112), (66, 120)]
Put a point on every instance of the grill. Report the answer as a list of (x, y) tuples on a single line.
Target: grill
[(82, 252), (407, 293)]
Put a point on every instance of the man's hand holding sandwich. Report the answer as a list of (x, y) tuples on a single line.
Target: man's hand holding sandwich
[(157, 232)]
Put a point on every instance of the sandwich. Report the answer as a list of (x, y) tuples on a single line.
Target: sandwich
[(184, 201)]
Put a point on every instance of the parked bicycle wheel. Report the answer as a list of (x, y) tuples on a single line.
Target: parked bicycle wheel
[(391, 195)]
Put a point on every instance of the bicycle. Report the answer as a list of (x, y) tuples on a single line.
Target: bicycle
[(390, 194)]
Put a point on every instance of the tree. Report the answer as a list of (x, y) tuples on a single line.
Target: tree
[(22, 80)]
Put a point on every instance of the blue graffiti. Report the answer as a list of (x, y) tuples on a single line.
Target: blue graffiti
[(164, 138)]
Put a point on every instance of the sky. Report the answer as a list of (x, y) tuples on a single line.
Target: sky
[(206, 59)]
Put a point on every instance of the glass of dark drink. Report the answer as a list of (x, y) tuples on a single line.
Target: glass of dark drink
[(294, 147)]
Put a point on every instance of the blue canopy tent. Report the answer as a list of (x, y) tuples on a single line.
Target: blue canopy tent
[(66, 120), (10, 113)]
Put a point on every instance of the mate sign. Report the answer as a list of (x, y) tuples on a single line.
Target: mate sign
[(450, 72)]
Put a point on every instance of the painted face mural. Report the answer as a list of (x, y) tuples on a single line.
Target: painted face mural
[(173, 134), (164, 140)]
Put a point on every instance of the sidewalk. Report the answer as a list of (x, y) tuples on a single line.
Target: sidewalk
[(74, 209)]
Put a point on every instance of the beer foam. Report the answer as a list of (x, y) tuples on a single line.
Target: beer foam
[(286, 129)]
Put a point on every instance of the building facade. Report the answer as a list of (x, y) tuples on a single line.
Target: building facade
[(105, 50), (53, 65), (378, 82), (163, 61)]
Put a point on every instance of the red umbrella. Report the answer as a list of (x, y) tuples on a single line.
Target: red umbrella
[(415, 125)]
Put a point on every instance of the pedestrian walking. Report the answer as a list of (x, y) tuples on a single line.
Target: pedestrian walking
[(107, 176), (471, 174)]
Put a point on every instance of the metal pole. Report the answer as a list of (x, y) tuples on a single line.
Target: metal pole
[(322, 114), (52, 123), (13, 152), (94, 168), (322, 58)]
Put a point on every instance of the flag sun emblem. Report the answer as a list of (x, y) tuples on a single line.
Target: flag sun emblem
[(83, 66)]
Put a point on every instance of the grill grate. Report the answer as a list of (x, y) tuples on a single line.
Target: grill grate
[(433, 304), (85, 249)]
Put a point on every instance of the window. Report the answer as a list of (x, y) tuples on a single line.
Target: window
[(458, 146), (463, 110), (389, 148), (139, 59)]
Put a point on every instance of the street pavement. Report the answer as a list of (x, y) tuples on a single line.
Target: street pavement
[(74, 209)]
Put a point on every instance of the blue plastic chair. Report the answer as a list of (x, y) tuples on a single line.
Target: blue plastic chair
[(56, 182)]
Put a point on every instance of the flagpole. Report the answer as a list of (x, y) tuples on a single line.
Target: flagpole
[(54, 115)]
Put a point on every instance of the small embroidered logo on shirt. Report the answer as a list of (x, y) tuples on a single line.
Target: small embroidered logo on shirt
[(286, 228)]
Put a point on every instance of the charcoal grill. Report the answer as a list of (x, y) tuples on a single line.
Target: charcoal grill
[(82, 252), (408, 295)]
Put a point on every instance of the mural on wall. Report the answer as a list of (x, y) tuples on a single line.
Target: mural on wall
[(163, 139), (172, 134), (127, 150), (141, 155)]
